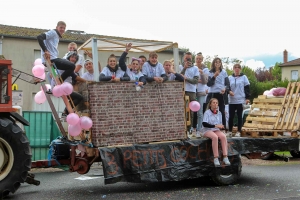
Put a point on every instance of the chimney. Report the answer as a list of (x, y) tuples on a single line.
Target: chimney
[(285, 56)]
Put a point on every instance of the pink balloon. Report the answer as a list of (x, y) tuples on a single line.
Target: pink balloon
[(72, 119), (43, 76), (67, 88), (40, 97), (48, 86), (38, 61), (74, 130), (194, 106), (86, 123), (38, 70), (56, 91)]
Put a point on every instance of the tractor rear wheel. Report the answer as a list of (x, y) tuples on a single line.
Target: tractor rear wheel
[(15, 156)]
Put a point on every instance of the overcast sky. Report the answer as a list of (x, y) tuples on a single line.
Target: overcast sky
[(249, 30)]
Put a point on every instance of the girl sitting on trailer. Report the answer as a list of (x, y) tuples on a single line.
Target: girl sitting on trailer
[(212, 126)]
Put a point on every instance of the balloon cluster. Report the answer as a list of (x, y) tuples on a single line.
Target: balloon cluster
[(38, 69), (194, 106), (63, 89), (76, 124), (40, 96)]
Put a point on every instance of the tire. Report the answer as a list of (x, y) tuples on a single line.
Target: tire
[(267, 155), (295, 154), (222, 177), (16, 157)]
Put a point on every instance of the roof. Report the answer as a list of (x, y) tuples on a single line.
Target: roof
[(32, 33), (104, 43), (109, 43), (295, 62)]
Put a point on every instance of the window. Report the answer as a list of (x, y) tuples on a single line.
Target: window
[(37, 54), (294, 74)]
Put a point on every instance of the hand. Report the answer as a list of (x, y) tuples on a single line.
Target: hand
[(200, 71), (231, 93), (89, 54), (219, 126), (128, 47), (247, 101), (158, 79), (184, 76), (47, 55), (199, 81), (115, 80), (187, 64), (140, 84), (216, 74), (222, 91)]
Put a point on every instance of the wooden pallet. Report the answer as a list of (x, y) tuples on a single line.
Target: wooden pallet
[(276, 115)]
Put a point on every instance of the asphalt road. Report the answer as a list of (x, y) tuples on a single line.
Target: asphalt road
[(277, 181)]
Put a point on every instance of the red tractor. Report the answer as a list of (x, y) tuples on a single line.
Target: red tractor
[(15, 152)]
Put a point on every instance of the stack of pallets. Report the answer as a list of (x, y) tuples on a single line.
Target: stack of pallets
[(274, 116)]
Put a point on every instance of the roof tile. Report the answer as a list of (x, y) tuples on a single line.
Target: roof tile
[(295, 62)]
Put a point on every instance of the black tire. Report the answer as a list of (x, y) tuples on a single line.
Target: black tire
[(295, 154), (267, 155), (14, 143), (228, 177)]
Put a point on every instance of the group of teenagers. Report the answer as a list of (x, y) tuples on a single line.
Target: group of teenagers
[(212, 88)]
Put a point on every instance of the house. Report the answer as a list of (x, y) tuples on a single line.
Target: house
[(20, 45), (289, 69)]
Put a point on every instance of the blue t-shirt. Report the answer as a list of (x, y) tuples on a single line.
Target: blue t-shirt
[(51, 43), (237, 85), (155, 71), (219, 82), (119, 73)]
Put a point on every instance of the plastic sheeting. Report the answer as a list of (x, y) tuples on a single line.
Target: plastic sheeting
[(176, 161)]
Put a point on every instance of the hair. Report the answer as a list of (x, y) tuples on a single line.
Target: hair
[(213, 68), (72, 53), (188, 53), (142, 56), (199, 54), (152, 54), (167, 61), (61, 23), (112, 56), (72, 44), (237, 65), (208, 105)]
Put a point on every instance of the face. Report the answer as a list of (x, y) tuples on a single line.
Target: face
[(72, 47), (214, 104), (143, 60), (89, 67), (218, 64), (188, 57), (73, 59), (61, 29), (168, 66), (199, 60), (135, 65), (237, 69), (153, 60), (112, 62)]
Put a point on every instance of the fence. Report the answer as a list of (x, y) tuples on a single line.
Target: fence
[(41, 132)]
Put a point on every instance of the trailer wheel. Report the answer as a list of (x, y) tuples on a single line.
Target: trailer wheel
[(295, 154), (15, 157), (221, 178)]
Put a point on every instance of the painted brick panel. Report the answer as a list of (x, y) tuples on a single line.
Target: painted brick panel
[(121, 115)]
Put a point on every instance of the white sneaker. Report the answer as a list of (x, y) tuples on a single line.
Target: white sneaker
[(228, 134), (226, 161), (198, 135), (237, 134), (216, 162)]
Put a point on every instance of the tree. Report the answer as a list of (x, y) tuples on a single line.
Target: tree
[(263, 74), (276, 71)]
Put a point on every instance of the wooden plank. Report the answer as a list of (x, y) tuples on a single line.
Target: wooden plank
[(257, 126), (296, 110), (262, 119), (262, 96), (263, 113), (274, 100), (264, 106)]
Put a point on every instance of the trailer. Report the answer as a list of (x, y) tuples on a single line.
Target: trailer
[(138, 136)]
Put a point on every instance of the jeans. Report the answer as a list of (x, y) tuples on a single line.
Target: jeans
[(66, 65), (201, 100), (239, 110), (192, 96), (76, 98)]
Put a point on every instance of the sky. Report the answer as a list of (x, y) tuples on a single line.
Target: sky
[(256, 32)]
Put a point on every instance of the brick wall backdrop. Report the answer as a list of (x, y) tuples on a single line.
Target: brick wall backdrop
[(121, 115)]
